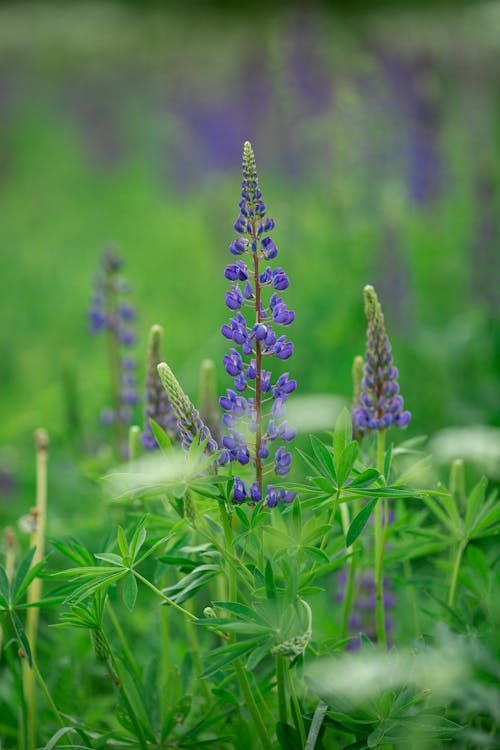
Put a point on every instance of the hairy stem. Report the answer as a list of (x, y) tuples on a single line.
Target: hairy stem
[(379, 551), (239, 669), (280, 681)]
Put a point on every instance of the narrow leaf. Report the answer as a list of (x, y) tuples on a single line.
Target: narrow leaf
[(129, 591), (359, 522)]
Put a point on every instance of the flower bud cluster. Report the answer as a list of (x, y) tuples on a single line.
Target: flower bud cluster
[(255, 407), (111, 313), (380, 403), (157, 402)]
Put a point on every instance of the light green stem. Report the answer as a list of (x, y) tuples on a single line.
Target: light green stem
[(121, 635), (48, 696), (164, 597), (348, 595), (280, 680), (239, 669), (296, 705), (456, 567), (379, 551)]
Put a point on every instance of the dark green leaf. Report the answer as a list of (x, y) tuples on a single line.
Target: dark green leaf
[(129, 590), (4, 586), (347, 460), (246, 613), (22, 571), (161, 437), (367, 477), (270, 586), (20, 632), (342, 435), (359, 522), (324, 458)]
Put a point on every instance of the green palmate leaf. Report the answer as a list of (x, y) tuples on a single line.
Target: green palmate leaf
[(109, 557), (297, 518), (347, 460), (138, 538), (21, 635), (26, 581), (22, 571), (316, 554), (238, 626), (367, 477), (93, 586), (259, 653), (129, 591), (269, 580), (238, 650), (342, 435), (475, 502), (204, 488), (246, 613), (74, 550), (122, 542), (324, 458), (359, 522), (4, 587), (161, 437), (242, 517)]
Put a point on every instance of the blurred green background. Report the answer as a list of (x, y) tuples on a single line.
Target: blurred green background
[(377, 141)]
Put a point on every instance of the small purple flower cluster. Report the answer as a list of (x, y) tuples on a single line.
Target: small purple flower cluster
[(111, 313), (381, 404), (362, 617), (256, 340)]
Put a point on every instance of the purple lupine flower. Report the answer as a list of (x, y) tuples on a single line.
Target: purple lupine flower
[(381, 405), (249, 438), (111, 313), (157, 402)]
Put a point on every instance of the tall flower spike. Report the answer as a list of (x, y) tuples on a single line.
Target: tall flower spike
[(112, 314), (188, 420), (381, 405), (157, 402), (251, 431)]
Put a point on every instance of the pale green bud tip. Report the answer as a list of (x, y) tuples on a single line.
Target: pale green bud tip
[(41, 440), (155, 342), (209, 612), (373, 309)]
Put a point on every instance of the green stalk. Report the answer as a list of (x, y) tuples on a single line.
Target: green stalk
[(48, 696), (164, 597), (34, 593), (456, 567), (196, 656), (280, 681), (239, 669), (121, 636), (298, 714), (379, 551), (128, 703)]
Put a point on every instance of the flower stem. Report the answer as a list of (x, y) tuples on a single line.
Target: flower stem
[(121, 635), (456, 567), (297, 711), (379, 551), (258, 366), (239, 669), (280, 681)]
